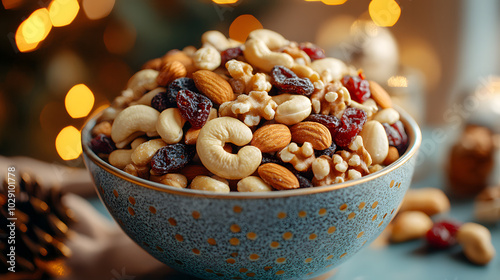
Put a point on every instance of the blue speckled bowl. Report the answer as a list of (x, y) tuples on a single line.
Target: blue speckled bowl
[(294, 234)]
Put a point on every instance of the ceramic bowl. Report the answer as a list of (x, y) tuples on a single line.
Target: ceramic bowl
[(294, 234)]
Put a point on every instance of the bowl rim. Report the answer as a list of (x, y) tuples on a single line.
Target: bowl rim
[(412, 129)]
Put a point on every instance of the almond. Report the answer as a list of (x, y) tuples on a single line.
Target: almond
[(278, 176), (315, 133), (380, 96), (213, 86), (171, 71), (271, 138), (191, 136)]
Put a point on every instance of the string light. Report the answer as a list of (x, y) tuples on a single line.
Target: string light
[(79, 101), (63, 12), (68, 143), (33, 30)]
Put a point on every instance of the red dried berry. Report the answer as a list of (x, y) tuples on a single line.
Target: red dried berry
[(231, 53), (397, 136), (352, 120), (194, 107), (102, 144), (171, 158), (442, 235), (176, 86), (358, 88), (314, 52), (160, 101), (285, 80), (330, 121), (303, 181), (330, 151)]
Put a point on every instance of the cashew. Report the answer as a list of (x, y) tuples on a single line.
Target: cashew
[(388, 115), (369, 106), (218, 40), (476, 242), (169, 125), (272, 39), (375, 141), (207, 58), (213, 135), (143, 153), (205, 183), (410, 225), (329, 67), (171, 179), (122, 157), (431, 201), (142, 81), (146, 98), (102, 128), (259, 55), (132, 121), (304, 71), (292, 109), (253, 184)]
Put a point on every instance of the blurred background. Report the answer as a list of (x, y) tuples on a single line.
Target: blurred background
[(63, 59)]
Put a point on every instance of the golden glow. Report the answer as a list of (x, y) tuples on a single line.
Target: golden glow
[(225, 1), (11, 4), (384, 12), (63, 12), (79, 101), (97, 9), (68, 143), (33, 30), (242, 26), (334, 2), (397, 81)]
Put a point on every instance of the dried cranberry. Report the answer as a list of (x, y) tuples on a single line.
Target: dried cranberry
[(102, 144), (285, 80), (171, 158), (330, 121), (397, 136), (352, 120), (160, 101), (314, 52), (303, 181), (330, 151), (442, 235), (231, 53), (194, 107), (176, 86), (358, 88)]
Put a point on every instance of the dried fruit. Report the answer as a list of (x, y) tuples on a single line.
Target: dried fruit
[(176, 86), (160, 101), (194, 107), (287, 81), (352, 120), (231, 53), (102, 144), (397, 136), (358, 88), (331, 122), (303, 181), (442, 235), (314, 52), (330, 151), (171, 158)]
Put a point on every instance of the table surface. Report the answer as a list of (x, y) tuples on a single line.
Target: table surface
[(411, 260)]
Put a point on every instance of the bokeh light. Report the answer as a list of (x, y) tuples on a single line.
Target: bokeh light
[(334, 2), (63, 12), (11, 4), (397, 81), (68, 143), (242, 26), (225, 1), (79, 101), (33, 30), (97, 9), (384, 12)]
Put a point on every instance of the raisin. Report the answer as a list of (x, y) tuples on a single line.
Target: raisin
[(358, 88), (330, 121), (352, 120), (102, 144), (442, 235), (268, 158), (194, 107), (231, 53), (303, 181), (171, 158), (330, 151), (397, 136), (285, 80), (160, 101), (314, 52), (176, 86)]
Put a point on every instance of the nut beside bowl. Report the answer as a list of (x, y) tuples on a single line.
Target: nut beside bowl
[(293, 234)]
